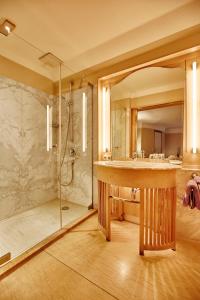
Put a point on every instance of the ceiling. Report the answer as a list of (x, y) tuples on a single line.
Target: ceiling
[(149, 81), (159, 117), (86, 33)]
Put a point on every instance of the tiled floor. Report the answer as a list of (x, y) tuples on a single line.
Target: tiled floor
[(82, 265), (20, 232)]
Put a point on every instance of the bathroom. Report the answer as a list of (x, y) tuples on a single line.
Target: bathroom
[(35, 203), (91, 130)]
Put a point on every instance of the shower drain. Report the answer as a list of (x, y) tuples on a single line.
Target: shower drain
[(65, 207)]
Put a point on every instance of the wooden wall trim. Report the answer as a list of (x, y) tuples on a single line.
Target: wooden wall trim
[(161, 105), (166, 98), (178, 46)]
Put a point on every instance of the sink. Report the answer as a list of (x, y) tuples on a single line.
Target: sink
[(137, 164)]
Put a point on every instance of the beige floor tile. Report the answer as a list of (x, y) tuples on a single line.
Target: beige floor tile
[(118, 268), (82, 265), (45, 278)]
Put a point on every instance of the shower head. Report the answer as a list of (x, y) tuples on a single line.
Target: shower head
[(50, 60)]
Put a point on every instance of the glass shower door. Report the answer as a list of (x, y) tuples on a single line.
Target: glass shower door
[(29, 204), (76, 170)]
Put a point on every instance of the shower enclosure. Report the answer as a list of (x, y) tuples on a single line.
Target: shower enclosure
[(45, 158)]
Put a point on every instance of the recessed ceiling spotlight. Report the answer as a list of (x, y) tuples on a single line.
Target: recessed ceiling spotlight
[(7, 27)]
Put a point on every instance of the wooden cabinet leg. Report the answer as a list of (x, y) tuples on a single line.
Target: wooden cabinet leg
[(141, 252), (121, 210)]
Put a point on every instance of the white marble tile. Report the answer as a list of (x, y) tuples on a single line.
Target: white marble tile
[(28, 174), (80, 189)]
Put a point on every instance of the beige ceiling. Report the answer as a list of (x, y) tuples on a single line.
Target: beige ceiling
[(159, 117), (84, 33), (149, 81)]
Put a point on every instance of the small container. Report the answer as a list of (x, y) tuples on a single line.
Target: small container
[(107, 155)]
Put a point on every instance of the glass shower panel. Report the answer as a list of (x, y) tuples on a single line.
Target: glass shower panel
[(30, 179), (76, 162), (29, 204)]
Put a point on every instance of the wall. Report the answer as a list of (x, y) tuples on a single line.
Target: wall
[(174, 143), (80, 189), (27, 172), (15, 71), (147, 140)]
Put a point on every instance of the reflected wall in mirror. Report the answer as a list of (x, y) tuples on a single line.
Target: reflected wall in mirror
[(147, 114)]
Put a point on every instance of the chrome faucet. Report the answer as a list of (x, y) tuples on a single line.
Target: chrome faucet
[(138, 154), (134, 155)]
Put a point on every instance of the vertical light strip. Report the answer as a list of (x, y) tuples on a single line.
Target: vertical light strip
[(194, 107), (48, 128), (60, 142), (104, 118), (84, 122)]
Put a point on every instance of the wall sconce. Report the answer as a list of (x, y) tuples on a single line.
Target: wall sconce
[(194, 107), (105, 119), (84, 122), (49, 127)]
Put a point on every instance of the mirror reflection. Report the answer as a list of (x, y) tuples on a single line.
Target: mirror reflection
[(147, 115)]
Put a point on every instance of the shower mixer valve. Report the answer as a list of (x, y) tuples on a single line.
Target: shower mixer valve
[(72, 152)]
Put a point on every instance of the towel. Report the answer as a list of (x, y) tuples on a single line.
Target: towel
[(197, 179), (192, 193)]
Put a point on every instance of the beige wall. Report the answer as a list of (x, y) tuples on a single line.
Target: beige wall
[(174, 143), (20, 73), (147, 140)]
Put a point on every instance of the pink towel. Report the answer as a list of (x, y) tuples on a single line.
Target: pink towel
[(192, 194), (197, 179)]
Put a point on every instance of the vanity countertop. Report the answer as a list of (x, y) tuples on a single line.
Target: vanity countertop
[(137, 165)]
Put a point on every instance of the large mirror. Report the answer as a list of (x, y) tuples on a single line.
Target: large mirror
[(147, 114)]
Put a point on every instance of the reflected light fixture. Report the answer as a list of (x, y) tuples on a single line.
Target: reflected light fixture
[(105, 119), (7, 27), (194, 107)]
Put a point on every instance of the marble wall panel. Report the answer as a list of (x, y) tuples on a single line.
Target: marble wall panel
[(28, 174), (80, 188)]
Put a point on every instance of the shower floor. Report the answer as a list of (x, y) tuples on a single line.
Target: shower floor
[(21, 232)]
